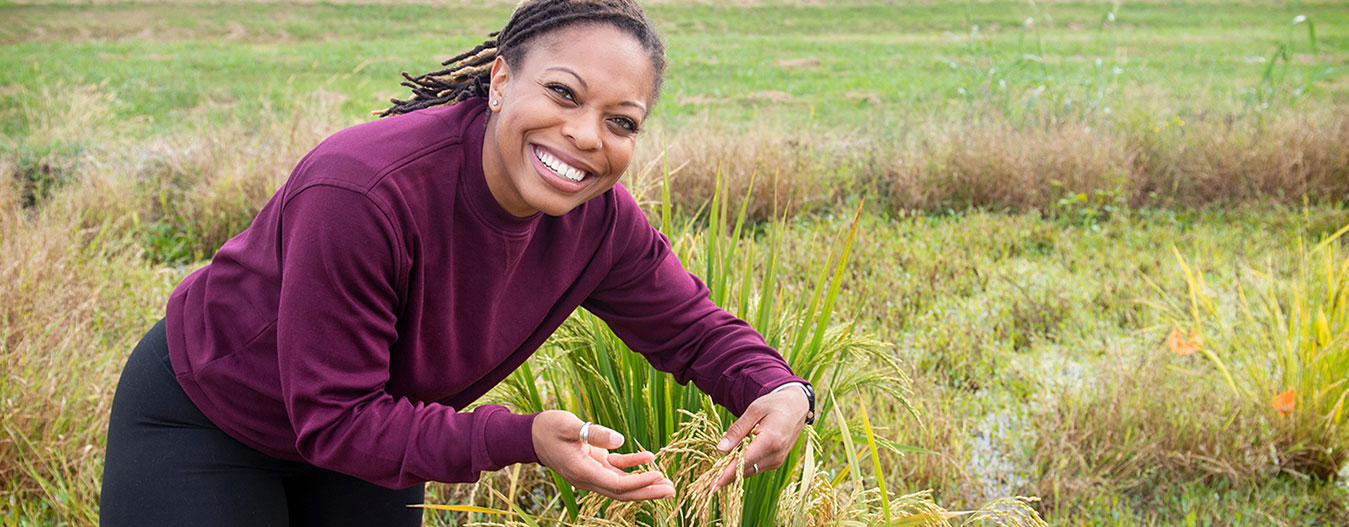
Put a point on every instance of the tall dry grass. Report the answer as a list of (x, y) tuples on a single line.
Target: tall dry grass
[(1047, 163), (65, 294), (55, 298), (1226, 158), (1152, 161), (784, 174), (87, 218), (1001, 166)]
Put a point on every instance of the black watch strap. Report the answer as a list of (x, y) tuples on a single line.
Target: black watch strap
[(810, 396)]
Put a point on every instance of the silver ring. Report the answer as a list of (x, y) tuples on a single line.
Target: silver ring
[(756, 468), (585, 433)]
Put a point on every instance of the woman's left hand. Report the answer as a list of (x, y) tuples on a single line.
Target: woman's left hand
[(776, 420)]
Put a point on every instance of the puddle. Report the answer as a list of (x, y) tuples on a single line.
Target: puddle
[(998, 465)]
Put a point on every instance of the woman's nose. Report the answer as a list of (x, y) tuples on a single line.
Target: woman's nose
[(584, 133)]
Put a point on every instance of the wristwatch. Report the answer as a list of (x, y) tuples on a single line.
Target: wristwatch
[(810, 398)]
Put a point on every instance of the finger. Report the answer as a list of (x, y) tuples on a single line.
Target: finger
[(654, 492), (728, 475), (598, 454), (604, 437), (770, 448), (740, 428), (760, 458), (612, 483), (631, 460)]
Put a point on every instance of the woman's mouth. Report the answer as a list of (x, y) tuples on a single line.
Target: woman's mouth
[(558, 167)]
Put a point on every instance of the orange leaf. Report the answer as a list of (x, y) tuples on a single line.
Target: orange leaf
[(1181, 345), (1284, 402)]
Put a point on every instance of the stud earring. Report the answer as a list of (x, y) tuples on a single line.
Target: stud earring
[(494, 103)]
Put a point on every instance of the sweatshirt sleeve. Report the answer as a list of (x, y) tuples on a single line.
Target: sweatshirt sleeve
[(663, 312), (336, 325)]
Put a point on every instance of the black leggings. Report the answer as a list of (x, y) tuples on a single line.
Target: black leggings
[(168, 465)]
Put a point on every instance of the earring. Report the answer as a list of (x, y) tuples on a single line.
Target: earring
[(494, 103)]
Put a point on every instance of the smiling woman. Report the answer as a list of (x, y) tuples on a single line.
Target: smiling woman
[(313, 372)]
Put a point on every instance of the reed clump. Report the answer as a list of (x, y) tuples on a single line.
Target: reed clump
[(1279, 338), (816, 498)]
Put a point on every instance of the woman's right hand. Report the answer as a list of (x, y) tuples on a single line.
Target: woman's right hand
[(557, 441)]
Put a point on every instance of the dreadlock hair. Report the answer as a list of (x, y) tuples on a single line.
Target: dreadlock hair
[(470, 71)]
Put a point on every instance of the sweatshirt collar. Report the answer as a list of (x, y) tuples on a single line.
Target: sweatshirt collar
[(479, 196)]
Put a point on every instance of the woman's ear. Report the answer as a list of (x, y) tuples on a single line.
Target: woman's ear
[(501, 79)]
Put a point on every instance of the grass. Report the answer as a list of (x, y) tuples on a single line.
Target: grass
[(877, 67), (1021, 205)]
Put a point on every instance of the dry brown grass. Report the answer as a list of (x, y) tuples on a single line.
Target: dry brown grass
[(997, 165), (180, 197), (71, 310), (784, 174), (77, 287), (993, 164), (1277, 158), (1223, 158)]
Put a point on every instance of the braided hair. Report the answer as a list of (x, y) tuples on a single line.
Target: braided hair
[(469, 74)]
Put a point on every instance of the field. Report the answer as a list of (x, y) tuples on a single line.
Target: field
[(1048, 197)]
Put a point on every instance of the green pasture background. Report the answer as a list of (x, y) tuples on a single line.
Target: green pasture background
[(850, 65)]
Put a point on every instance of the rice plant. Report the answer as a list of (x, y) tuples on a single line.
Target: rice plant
[(586, 369), (811, 499)]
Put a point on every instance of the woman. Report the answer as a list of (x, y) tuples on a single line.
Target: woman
[(312, 372)]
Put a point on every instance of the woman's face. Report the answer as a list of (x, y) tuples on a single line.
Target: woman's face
[(565, 121)]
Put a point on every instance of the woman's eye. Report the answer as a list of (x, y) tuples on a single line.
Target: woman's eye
[(562, 91), (628, 125)]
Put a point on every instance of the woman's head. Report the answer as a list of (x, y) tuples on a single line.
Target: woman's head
[(469, 72), (569, 84), (565, 119)]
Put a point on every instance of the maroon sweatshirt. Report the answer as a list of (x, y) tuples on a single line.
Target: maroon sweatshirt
[(383, 288)]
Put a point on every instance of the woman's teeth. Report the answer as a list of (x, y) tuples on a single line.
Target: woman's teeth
[(558, 167)]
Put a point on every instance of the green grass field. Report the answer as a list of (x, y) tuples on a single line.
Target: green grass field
[(858, 65), (1027, 173)]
